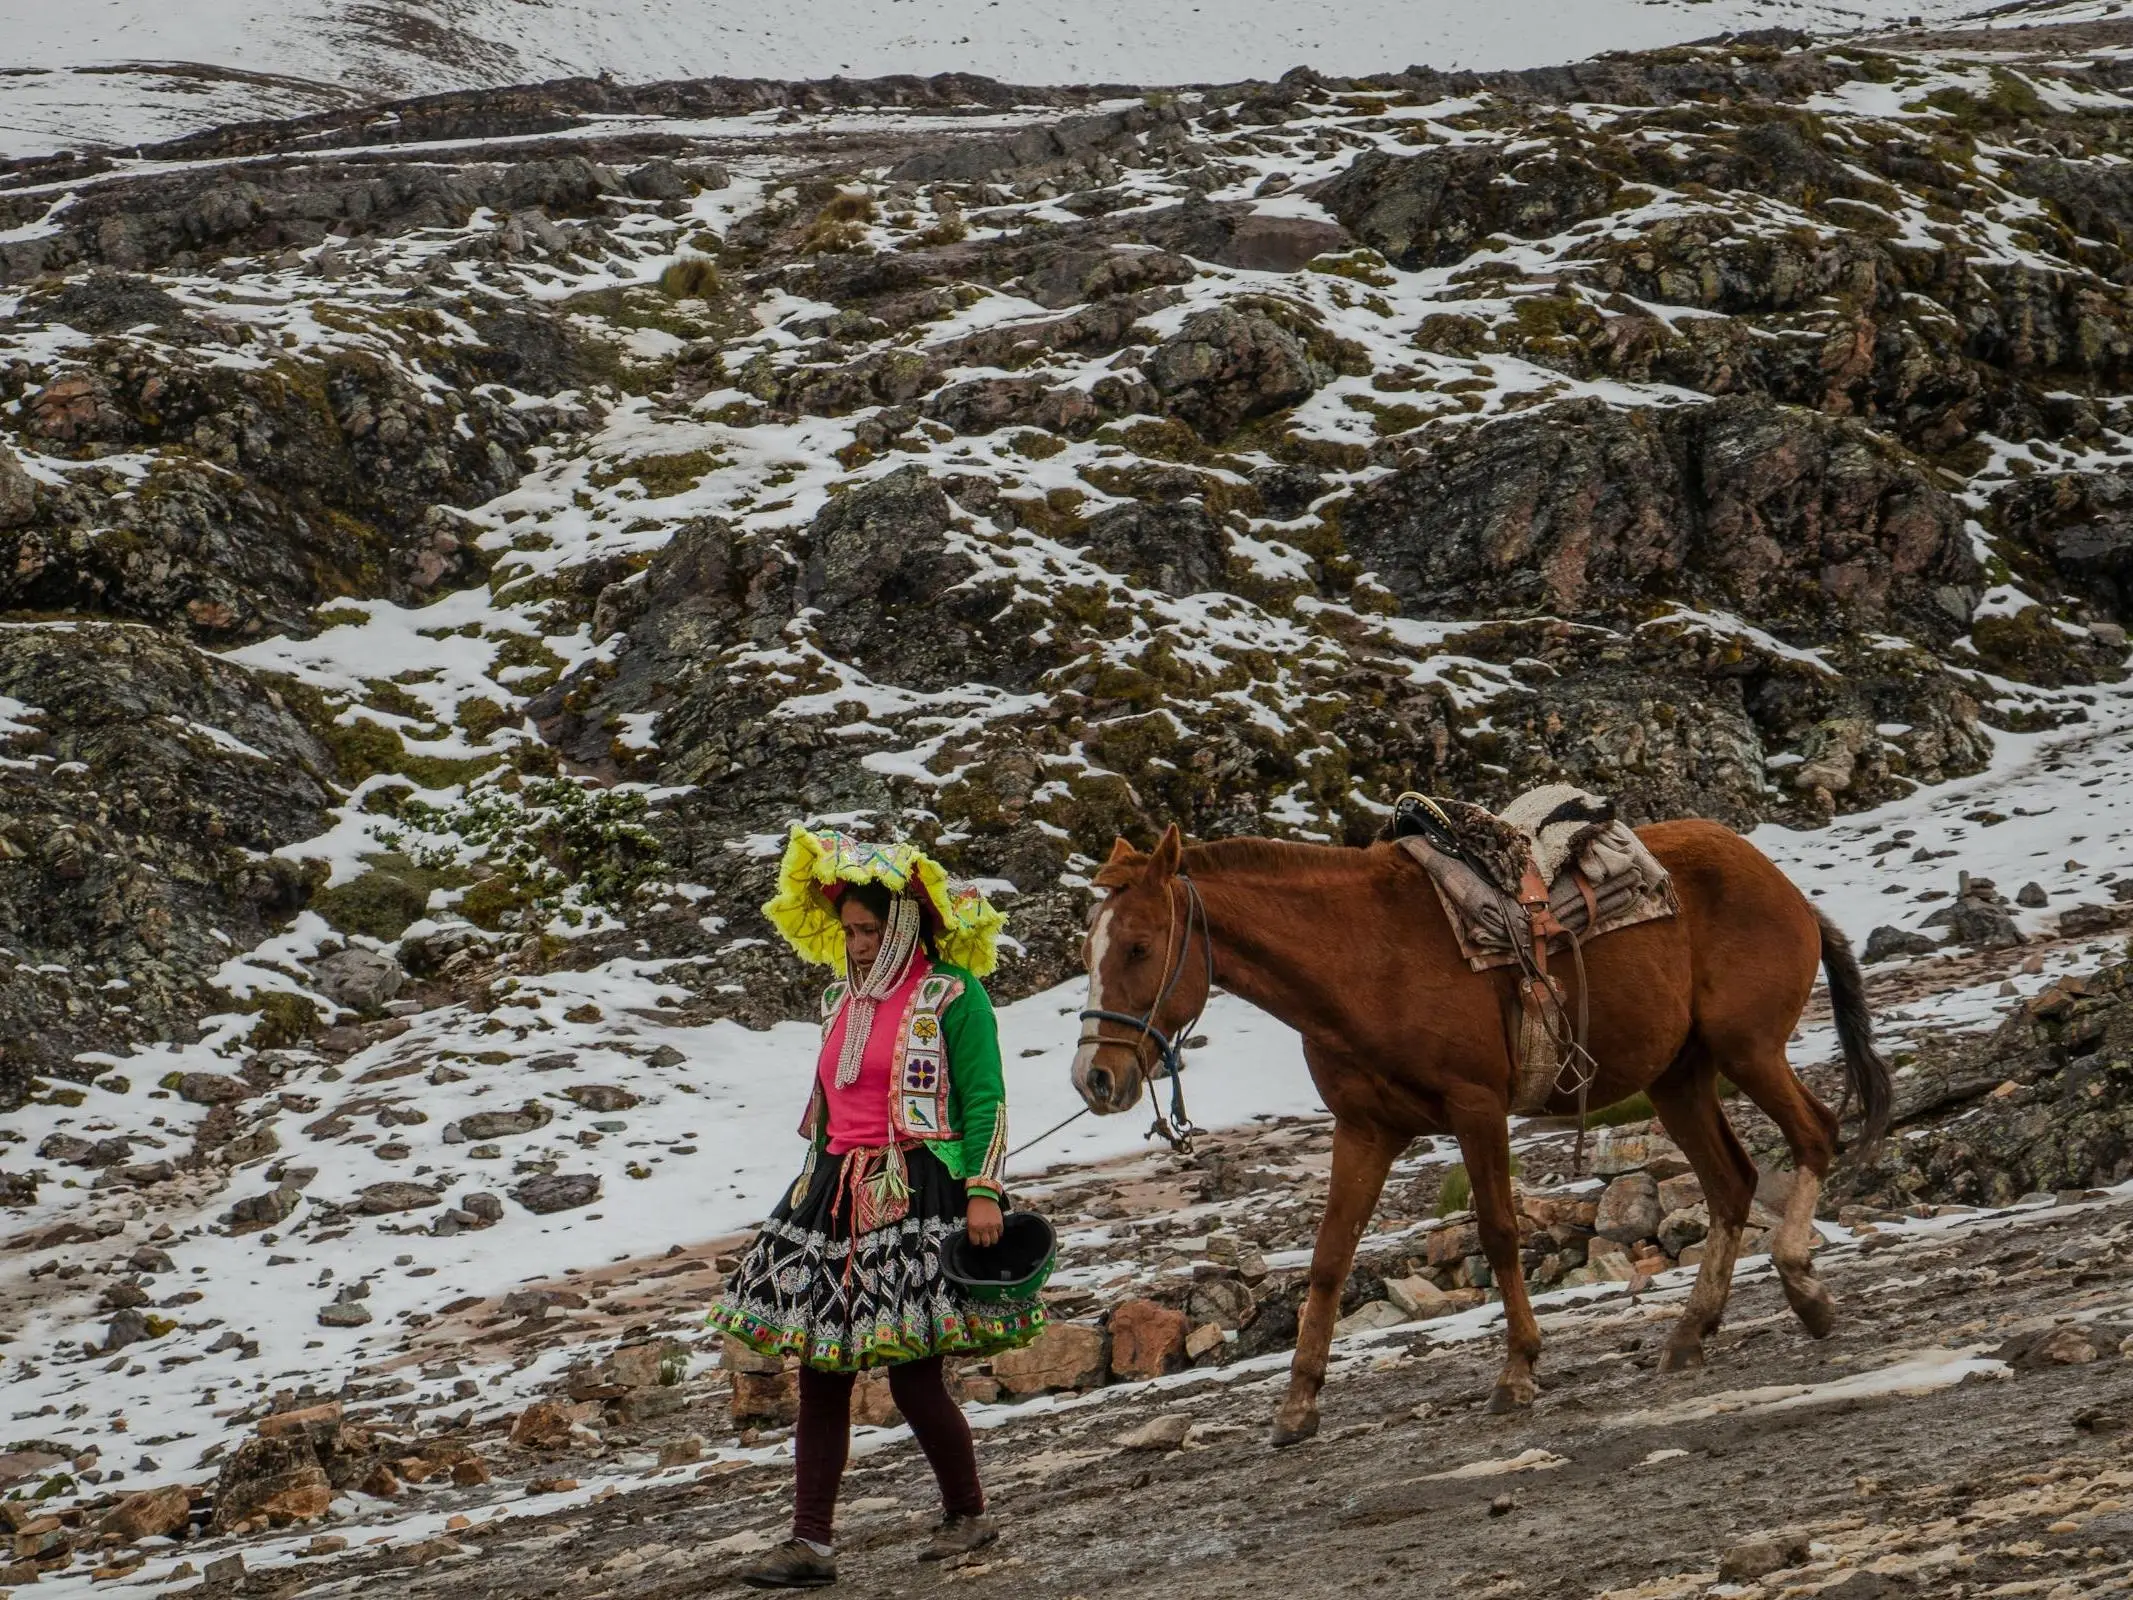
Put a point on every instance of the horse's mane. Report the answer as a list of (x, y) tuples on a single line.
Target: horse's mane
[(1245, 855), (1264, 855)]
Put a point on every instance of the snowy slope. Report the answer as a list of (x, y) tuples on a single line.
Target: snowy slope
[(310, 54)]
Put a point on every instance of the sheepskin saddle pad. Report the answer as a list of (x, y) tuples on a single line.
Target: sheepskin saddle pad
[(1598, 874)]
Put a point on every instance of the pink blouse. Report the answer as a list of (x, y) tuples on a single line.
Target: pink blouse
[(859, 1115)]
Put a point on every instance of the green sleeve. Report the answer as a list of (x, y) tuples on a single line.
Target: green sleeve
[(979, 1088)]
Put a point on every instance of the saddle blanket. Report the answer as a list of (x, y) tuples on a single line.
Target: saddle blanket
[(1565, 834)]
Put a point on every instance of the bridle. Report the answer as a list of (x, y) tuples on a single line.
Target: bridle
[(1177, 1128)]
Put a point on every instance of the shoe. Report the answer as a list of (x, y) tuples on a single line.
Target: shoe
[(959, 1535), (793, 1565)]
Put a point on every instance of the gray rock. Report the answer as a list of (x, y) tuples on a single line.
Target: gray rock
[(2087, 921), (1981, 924), (343, 1314), (1585, 512), (530, 1117), (1887, 942), (1178, 549), (1435, 208), (1629, 1208), (484, 1206), (1681, 1228), (264, 1210), (18, 492), (557, 1192), (1224, 1301), (2031, 896), (1762, 1555), (360, 979), (129, 1327), (382, 1199), (213, 1089), (601, 1097), (1157, 1434)]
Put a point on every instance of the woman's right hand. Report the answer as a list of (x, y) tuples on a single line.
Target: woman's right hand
[(983, 1221)]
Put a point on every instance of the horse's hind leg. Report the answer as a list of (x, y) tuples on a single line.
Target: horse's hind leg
[(1686, 1098), (1810, 1130)]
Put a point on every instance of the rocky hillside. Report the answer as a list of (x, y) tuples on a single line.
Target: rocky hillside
[(126, 72), (1732, 429), (442, 549)]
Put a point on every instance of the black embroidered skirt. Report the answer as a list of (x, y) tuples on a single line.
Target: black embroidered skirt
[(815, 1287)]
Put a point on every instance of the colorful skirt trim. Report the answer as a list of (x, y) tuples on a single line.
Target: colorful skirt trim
[(842, 1297)]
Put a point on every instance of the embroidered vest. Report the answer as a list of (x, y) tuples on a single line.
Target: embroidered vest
[(918, 1075)]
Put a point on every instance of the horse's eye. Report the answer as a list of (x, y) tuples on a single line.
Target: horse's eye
[(1138, 951)]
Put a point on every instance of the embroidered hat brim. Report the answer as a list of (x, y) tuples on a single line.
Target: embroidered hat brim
[(966, 925)]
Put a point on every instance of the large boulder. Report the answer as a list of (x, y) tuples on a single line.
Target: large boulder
[(1435, 208), (1799, 521), (1147, 1340), (362, 980), (1225, 367), (277, 1478), (1178, 549), (1067, 1355)]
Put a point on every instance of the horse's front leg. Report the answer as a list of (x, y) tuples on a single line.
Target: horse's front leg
[(1484, 1133), (1361, 1158)]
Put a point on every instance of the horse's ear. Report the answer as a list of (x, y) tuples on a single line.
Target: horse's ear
[(1121, 853), (1169, 853)]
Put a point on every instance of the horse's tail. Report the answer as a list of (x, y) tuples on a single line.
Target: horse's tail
[(1866, 1074)]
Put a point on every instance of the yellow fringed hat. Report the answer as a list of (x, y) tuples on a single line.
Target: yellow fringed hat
[(966, 926)]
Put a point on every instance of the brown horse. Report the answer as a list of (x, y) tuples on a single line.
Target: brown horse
[(1351, 949)]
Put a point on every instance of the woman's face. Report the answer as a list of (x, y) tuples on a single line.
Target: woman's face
[(862, 932)]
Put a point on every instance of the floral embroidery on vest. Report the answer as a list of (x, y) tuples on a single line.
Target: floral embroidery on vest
[(918, 1077), (919, 1107)]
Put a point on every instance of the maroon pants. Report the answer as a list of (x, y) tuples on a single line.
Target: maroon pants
[(823, 1441)]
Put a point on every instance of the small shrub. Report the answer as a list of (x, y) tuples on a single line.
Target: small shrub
[(690, 278), (950, 229), (847, 205)]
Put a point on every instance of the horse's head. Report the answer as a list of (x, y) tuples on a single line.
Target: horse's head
[(1148, 972)]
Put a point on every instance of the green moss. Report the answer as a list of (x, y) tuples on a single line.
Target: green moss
[(284, 1018), (384, 900), (363, 749), (480, 716), (1036, 445), (659, 476), (1549, 316), (1361, 266), (495, 902)]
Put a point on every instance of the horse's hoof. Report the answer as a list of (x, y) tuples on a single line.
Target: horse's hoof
[(1511, 1397), (1681, 1357), (1288, 1433), (1816, 1310)]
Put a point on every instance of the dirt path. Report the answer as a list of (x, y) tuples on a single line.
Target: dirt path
[(1920, 1451)]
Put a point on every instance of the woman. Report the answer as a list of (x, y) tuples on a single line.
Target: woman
[(908, 1138)]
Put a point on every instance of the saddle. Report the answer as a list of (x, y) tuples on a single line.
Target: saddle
[(1555, 870)]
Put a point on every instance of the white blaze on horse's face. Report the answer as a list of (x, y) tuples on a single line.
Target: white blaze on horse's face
[(1099, 948)]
